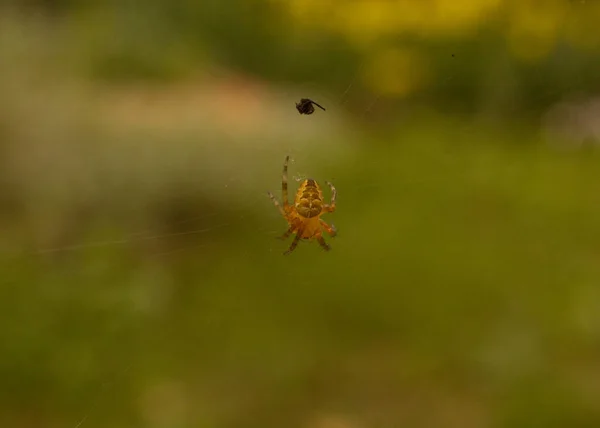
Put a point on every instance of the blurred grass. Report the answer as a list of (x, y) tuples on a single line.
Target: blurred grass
[(464, 270)]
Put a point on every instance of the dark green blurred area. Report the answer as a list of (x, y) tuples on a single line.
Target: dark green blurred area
[(141, 284)]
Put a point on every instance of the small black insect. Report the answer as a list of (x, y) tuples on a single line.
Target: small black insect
[(305, 106)]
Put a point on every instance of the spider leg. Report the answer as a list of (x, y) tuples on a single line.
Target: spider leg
[(284, 182), (276, 203), (330, 229), (321, 107), (286, 234), (331, 206), (294, 243), (322, 242)]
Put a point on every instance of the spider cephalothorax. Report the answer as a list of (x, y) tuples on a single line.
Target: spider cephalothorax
[(305, 106), (303, 216)]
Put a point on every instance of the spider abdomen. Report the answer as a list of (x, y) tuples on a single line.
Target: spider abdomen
[(309, 199)]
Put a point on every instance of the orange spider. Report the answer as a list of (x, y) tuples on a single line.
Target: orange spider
[(304, 216)]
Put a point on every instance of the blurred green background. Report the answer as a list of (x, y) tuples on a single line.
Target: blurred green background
[(141, 284)]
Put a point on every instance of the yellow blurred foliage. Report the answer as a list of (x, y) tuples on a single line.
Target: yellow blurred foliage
[(531, 27), (364, 22), (581, 26), (395, 72), (308, 11), (456, 16)]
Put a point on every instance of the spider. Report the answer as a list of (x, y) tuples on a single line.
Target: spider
[(303, 216), (305, 106)]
